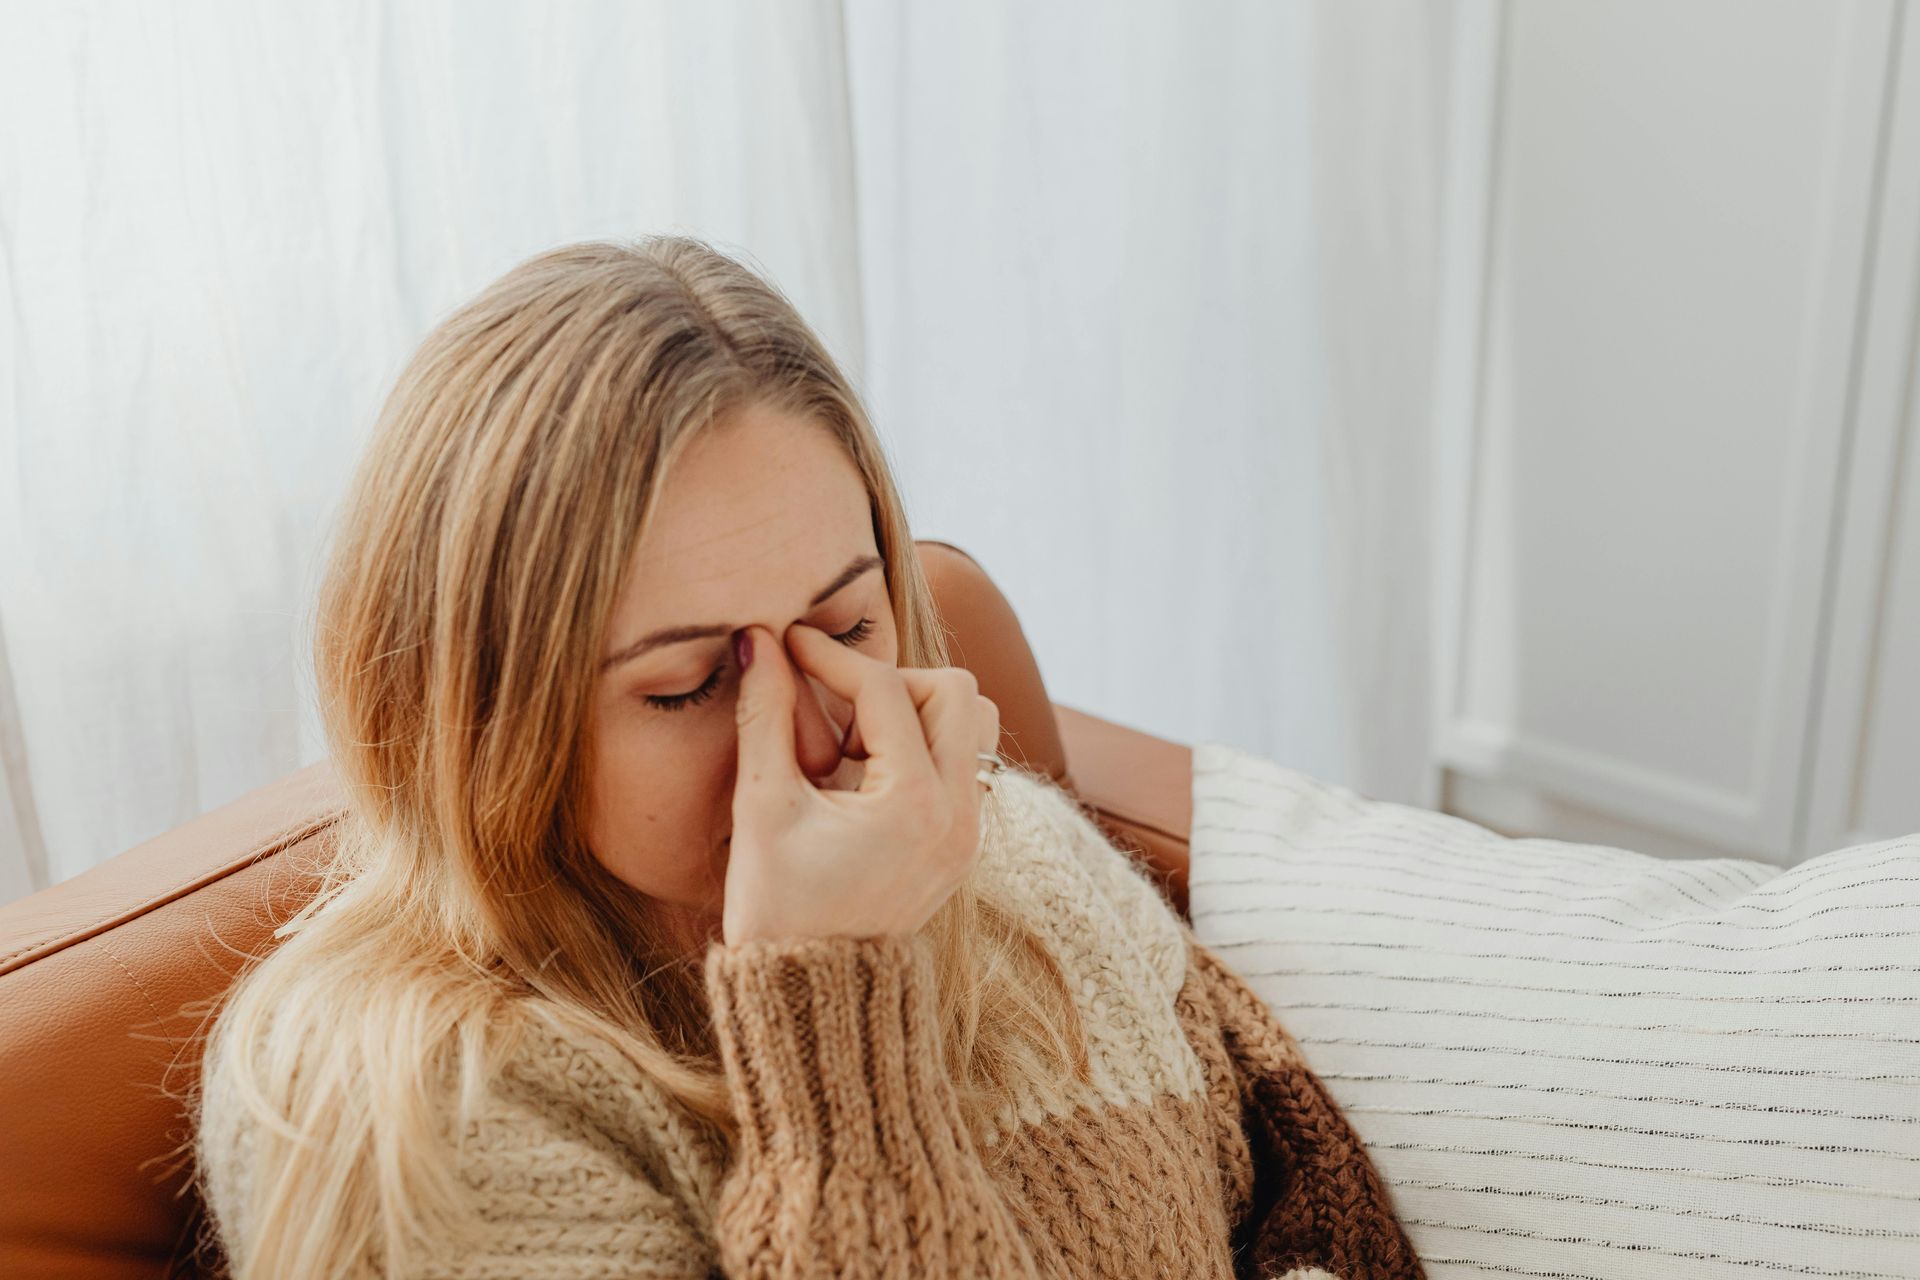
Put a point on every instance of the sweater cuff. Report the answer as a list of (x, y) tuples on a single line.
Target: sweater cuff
[(832, 1047)]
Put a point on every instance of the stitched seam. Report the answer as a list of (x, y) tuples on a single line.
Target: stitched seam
[(138, 985), (273, 846)]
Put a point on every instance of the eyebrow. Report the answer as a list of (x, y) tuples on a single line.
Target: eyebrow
[(677, 635)]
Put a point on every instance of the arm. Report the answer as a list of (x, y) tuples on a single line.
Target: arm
[(853, 1159), (1316, 1206)]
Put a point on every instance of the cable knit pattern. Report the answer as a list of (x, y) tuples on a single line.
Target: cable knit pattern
[(1202, 1146)]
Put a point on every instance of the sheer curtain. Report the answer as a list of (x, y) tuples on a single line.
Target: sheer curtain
[(1150, 299), (1075, 256), (222, 229), (1086, 235)]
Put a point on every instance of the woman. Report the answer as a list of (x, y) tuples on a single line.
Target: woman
[(675, 926)]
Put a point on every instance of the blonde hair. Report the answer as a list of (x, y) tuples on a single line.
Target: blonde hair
[(465, 604)]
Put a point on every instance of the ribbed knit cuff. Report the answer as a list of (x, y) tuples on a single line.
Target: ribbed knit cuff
[(833, 1049)]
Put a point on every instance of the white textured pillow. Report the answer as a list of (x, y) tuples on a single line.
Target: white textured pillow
[(1574, 1060)]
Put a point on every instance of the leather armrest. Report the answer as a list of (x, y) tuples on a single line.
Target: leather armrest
[(1142, 788)]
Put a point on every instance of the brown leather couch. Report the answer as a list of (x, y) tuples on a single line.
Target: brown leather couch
[(106, 978)]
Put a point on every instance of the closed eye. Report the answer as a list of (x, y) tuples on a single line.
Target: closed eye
[(853, 635)]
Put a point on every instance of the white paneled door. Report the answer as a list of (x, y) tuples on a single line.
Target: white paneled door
[(1680, 613)]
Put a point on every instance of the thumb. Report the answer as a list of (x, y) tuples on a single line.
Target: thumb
[(763, 713)]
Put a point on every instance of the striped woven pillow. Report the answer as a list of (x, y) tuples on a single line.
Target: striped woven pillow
[(1572, 1060)]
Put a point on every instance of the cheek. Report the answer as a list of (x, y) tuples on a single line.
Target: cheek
[(658, 791)]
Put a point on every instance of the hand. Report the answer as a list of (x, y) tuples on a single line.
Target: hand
[(881, 860)]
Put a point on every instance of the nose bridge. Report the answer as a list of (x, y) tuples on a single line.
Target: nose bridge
[(817, 699), (817, 734)]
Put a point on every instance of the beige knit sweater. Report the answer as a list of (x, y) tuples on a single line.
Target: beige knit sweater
[(1202, 1146)]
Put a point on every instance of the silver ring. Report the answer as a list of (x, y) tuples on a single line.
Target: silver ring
[(991, 764)]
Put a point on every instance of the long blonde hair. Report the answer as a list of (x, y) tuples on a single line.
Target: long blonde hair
[(465, 604)]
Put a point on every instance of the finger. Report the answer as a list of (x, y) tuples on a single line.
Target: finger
[(763, 714), (986, 721), (951, 715), (885, 715), (834, 664), (959, 724), (818, 654), (989, 722), (989, 725)]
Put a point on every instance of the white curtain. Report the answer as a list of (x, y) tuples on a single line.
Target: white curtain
[(222, 229), (1089, 290), (1074, 255)]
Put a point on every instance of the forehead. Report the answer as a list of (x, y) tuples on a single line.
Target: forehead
[(756, 515)]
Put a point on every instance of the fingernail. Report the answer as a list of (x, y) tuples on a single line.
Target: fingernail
[(743, 648)]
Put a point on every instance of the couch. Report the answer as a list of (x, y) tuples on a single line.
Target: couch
[(106, 979)]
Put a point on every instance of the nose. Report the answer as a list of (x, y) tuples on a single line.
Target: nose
[(819, 721)]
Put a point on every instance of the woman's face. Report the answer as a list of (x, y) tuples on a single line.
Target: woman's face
[(764, 520)]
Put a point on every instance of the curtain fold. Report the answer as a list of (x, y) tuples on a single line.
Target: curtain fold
[(23, 851)]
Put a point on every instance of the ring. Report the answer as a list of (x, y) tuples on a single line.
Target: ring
[(991, 764)]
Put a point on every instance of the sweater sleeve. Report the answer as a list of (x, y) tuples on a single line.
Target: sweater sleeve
[(853, 1157), (1316, 1207)]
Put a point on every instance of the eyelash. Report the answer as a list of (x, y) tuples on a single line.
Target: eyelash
[(675, 702)]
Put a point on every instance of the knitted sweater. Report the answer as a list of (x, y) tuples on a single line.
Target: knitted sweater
[(1201, 1145)]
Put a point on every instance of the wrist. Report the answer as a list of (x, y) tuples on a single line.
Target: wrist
[(824, 1038)]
